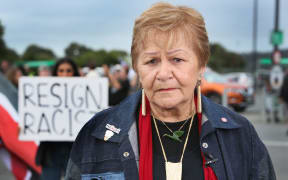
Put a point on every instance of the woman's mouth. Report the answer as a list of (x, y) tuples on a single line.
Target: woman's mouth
[(166, 89)]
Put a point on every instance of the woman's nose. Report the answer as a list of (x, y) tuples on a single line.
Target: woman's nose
[(164, 72)]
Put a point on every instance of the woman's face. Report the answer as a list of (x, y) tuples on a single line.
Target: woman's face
[(168, 74), (65, 70), (18, 74)]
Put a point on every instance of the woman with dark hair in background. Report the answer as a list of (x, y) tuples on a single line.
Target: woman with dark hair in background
[(65, 67), (14, 73), (53, 156)]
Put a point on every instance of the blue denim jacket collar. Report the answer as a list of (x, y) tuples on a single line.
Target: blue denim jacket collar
[(123, 118), (125, 115), (218, 118)]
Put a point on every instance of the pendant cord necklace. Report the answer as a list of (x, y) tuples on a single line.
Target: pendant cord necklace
[(179, 128), (175, 134), (163, 151)]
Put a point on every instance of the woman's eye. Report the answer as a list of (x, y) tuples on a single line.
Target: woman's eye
[(177, 60), (152, 61)]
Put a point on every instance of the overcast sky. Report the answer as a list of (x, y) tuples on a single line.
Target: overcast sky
[(108, 24)]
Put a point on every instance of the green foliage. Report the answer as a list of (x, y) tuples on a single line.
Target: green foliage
[(222, 60), (75, 50), (2, 49), (97, 58), (119, 54), (5, 52), (84, 56), (1, 30), (12, 55), (35, 52)]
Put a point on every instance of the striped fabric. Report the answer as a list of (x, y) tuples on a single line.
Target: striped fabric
[(17, 156)]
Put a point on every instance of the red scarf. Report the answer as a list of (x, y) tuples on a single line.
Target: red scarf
[(146, 151)]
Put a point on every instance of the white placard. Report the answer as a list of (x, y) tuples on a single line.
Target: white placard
[(55, 109)]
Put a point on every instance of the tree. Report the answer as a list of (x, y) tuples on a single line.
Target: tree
[(5, 52), (3, 47), (1, 30), (12, 55), (97, 58), (75, 50), (84, 55), (222, 60), (120, 54), (35, 52)]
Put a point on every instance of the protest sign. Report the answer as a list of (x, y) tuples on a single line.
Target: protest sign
[(55, 109)]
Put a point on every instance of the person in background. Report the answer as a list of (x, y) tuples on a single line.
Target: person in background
[(271, 110), (53, 156), (131, 75), (92, 72), (134, 81), (168, 131), (119, 83), (81, 73), (44, 71), (4, 66), (14, 73), (284, 97), (65, 67)]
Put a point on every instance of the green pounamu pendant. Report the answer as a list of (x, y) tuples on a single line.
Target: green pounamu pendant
[(176, 135)]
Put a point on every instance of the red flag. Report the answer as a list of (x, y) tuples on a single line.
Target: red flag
[(20, 155)]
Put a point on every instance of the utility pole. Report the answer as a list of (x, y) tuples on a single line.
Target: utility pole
[(276, 22), (276, 73), (254, 65), (254, 39), (277, 36)]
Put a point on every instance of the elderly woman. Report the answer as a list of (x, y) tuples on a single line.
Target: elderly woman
[(173, 133)]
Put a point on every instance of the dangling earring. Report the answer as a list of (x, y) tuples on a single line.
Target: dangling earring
[(199, 103), (143, 103)]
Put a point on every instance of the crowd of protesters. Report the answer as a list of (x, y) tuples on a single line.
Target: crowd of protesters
[(53, 156), (122, 78)]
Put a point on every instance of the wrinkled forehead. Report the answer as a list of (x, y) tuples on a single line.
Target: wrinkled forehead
[(165, 39)]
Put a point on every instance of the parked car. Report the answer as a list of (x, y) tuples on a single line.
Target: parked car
[(242, 78), (216, 87)]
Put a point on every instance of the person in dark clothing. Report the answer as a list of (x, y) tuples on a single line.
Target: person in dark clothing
[(119, 85), (53, 156), (284, 96), (284, 89)]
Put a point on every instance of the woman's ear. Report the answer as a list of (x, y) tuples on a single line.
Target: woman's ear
[(201, 72), (139, 79)]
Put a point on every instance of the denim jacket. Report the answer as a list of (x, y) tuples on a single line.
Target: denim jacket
[(228, 141)]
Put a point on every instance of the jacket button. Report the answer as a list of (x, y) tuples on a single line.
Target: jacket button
[(205, 145), (126, 154), (223, 119)]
